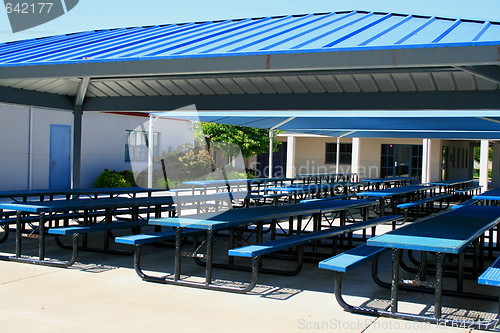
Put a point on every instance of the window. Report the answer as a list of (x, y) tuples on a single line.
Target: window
[(136, 146), (345, 153)]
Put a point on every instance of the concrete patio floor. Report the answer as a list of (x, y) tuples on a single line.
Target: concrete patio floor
[(102, 293)]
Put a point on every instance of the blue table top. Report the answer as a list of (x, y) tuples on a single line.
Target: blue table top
[(303, 187), (386, 180), (449, 232), (77, 191), (452, 182), (488, 195), (101, 203), (394, 191), (233, 217), (82, 204), (235, 181), (325, 174)]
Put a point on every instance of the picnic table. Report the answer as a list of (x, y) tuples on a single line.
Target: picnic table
[(227, 184), (450, 186), (85, 209), (388, 182), (43, 194), (210, 223), (318, 178), (396, 195), (447, 233), (491, 195)]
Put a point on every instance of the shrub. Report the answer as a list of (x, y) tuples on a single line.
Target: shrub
[(110, 178)]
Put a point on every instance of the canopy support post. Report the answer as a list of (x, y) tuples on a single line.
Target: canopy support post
[(483, 165), (150, 151)]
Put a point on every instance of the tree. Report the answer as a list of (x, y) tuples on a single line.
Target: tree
[(251, 141), (477, 154)]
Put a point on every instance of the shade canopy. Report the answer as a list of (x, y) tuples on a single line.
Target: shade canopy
[(445, 124)]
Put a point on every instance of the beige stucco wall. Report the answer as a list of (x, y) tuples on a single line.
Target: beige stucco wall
[(310, 155), (370, 154), (462, 170)]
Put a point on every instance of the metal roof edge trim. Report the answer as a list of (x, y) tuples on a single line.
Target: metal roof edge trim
[(330, 50)]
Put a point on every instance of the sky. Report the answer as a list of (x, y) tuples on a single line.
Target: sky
[(103, 14)]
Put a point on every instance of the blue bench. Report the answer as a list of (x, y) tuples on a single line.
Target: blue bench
[(465, 203), (491, 276), (470, 190), (337, 197), (351, 259), (153, 237), (256, 251), (76, 230), (85, 229), (426, 204)]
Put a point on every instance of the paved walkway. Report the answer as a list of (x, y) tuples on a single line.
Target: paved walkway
[(103, 294)]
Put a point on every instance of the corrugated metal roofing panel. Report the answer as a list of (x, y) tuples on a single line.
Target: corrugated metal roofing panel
[(338, 31), (200, 85), (312, 83), (330, 83), (262, 84), (385, 82), (491, 33), (246, 85), (464, 81), (215, 86), (348, 83)]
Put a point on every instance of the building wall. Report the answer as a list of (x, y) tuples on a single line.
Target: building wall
[(310, 155), (15, 150), (103, 143), (370, 154), (460, 159), (104, 136)]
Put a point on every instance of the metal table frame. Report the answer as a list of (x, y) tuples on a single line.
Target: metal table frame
[(447, 233), (211, 223)]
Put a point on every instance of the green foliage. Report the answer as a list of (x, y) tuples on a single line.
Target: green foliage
[(187, 163), (110, 178), (251, 141), (477, 154), (476, 173)]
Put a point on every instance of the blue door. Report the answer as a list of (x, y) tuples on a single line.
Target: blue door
[(60, 157)]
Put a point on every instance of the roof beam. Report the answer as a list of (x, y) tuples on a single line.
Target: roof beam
[(35, 98), (490, 73), (82, 91), (458, 100), (467, 55), (288, 73)]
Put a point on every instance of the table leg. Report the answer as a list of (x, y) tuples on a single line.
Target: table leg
[(177, 262), (208, 268), (41, 243), (438, 296), (460, 279), (381, 206), (396, 257), (18, 233)]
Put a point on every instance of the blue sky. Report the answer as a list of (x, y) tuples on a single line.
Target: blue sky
[(101, 14)]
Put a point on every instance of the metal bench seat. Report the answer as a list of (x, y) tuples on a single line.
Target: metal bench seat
[(292, 241), (491, 275), (351, 259), (148, 238)]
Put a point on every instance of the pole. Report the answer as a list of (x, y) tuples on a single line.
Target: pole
[(337, 161), (150, 152), (270, 173)]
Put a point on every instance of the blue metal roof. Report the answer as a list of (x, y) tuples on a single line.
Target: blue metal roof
[(324, 32)]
